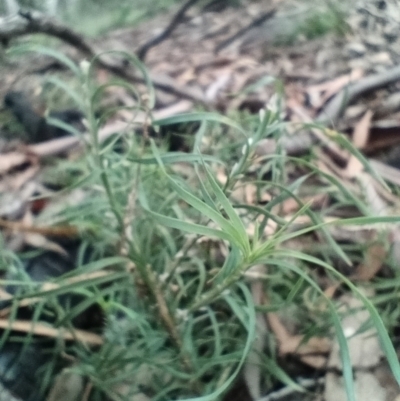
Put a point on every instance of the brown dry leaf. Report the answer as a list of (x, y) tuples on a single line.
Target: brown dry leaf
[(361, 130), (44, 330), (313, 353), (331, 290), (373, 262), (330, 88), (360, 139), (338, 83), (291, 206)]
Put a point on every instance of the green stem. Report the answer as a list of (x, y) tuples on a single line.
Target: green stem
[(99, 160), (216, 292)]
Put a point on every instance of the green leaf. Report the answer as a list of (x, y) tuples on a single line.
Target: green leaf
[(47, 51)]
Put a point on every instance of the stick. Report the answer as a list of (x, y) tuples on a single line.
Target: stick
[(257, 22), (31, 22), (335, 107), (176, 20)]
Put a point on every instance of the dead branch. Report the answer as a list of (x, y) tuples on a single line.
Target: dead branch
[(255, 23), (44, 330), (32, 22), (337, 105), (60, 231), (62, 145), (28, 22), (176, 20)]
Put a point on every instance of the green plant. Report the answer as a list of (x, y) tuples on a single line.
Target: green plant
[(314, 21), (179, 315)]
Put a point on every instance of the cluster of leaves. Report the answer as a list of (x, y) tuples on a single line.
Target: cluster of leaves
[(180, 321)]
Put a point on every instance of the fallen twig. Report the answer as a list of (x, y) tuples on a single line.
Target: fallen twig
[(176, 20), (31, 22), (44, 330), (337, 105), (62, 145), (257, 22), (60, 231)]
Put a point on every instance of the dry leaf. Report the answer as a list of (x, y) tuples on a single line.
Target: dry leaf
[(330, 88), (313, 352), (360, 139), (361, 130), (373, 262), (291, 206)]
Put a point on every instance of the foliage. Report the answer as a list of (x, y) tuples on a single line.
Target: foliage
[(176, 247)]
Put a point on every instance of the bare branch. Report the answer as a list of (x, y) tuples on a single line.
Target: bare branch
[(176, 20), (32, 22), (28, 22)]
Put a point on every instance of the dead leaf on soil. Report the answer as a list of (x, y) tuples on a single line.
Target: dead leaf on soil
[(373, 262), (320, 93), (313, 352), (291, 206), (360, 140)]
